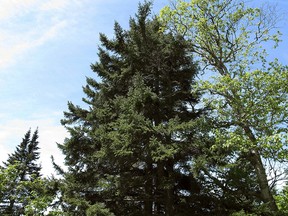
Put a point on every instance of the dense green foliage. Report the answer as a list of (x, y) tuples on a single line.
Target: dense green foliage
[(142, 147), (153, 139), (132, 149), (247, 93), (282, 201), (29, 197), (22, 189), (26, 156), (23, 163)]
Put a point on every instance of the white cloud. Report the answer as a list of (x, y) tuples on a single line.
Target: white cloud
[(24, 26), (15, 8), (50, 132), (27, 24), (49, 135), (54, 5), (8, 54)]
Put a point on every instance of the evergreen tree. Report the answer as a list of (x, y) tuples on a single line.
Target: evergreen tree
[(26, 155), (27, 170), (132, 149)]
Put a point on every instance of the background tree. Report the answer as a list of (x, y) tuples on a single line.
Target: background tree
[(248, 94), (25, 169), (38, 201), (282, 200), (133, 147), (26, 155)]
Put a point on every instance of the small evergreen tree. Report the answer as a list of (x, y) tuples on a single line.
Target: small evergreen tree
[(25, 170), (27, 155)]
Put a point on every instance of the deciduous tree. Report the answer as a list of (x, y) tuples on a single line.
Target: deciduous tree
[(248, 93)]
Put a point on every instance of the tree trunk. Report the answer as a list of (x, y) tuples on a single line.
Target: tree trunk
[(159, 189), (169, 205), (148, 203), (266, 194), (11, 207), (256, 162)]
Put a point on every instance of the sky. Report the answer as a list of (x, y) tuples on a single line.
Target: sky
[(46, 49)]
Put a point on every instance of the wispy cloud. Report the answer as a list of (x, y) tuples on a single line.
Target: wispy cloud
[(54, 5), (31, 32), (27, 24), (14, 8), (9, 53)]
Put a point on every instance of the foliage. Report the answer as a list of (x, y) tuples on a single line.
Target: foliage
[(242, 213), (149, 143), (247, 93), (36, 202), (99, 210), (42, 198), (22, 190), (26, 156), (282, 200), (21, 169), (132, 149)]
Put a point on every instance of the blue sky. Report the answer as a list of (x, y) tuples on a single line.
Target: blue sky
[(46, 48)]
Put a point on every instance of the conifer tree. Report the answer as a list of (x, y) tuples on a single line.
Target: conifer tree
[(27, 155), (26, 169), (132, 148)]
